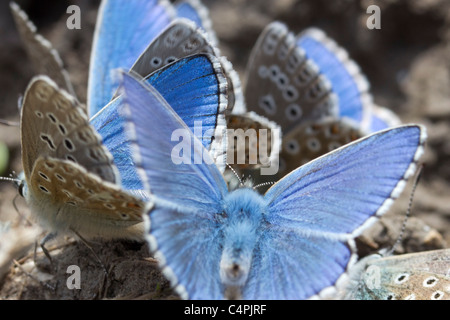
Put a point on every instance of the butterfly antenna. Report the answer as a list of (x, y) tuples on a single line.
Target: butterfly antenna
[(263, 184), (21, 216), (408, 212), (17, 182), (9, 123), (235, 173), (14, 180)]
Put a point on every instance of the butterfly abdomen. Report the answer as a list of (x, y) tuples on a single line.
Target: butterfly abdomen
[(241, 224)]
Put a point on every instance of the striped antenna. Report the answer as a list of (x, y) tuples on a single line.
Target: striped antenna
[(263, 184), (235, 173)]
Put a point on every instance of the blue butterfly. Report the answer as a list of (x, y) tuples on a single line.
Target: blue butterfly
[(310, 87), (414, 276), (309, 78), (195, 87), (164, 50), (294, 242), (198, 87), (123, 31)]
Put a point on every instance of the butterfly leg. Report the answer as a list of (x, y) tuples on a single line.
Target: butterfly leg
[(44, 284), (47, 238), (88, 245)]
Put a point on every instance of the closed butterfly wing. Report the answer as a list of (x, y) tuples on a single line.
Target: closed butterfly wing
[(180, 39), (312, 140), (414, 276), (123, 31), (262, 146), (254, 145), (195, 11), (66, 197), (69, 176), (322, 206), (54, 124), (184, 194), (284, 84), (307, 142), (45, 58)]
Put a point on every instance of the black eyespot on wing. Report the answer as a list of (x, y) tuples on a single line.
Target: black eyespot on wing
[(51, 117), (44, 189), (49, 141), (69, 157), (62, 129), (69, 145)]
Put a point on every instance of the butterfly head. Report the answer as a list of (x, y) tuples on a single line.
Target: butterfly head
[(240, 222), (19, 182)]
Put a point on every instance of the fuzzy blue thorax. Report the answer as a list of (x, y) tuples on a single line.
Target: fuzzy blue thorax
[(241, 221)]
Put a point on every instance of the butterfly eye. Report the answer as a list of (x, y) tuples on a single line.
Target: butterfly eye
[(21, 186)]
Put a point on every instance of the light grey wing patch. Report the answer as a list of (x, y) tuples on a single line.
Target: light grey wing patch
[(180, 39)]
